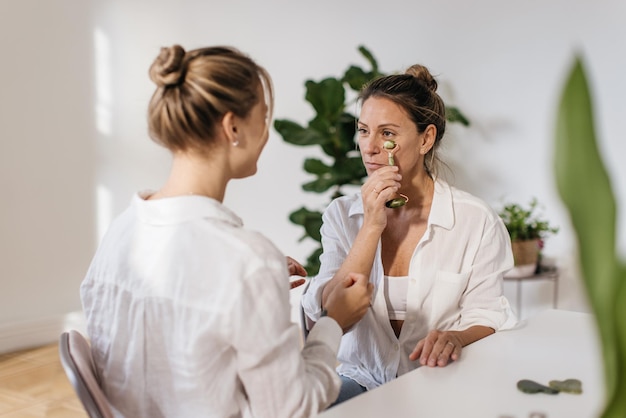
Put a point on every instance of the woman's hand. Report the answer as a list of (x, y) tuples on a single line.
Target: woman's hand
[(438, 348), (295, 269), (381, 186), (349, 300)]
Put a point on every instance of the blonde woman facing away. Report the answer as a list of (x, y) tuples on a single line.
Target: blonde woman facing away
[(188, 311), (436, 258)]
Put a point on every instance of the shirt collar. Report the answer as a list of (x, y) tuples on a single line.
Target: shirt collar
[(179, 209), (442, 210)]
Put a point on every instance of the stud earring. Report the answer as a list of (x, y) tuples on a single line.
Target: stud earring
[(235, 142)]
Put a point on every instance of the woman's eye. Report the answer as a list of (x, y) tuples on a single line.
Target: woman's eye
[(362, 131), (387, 134)]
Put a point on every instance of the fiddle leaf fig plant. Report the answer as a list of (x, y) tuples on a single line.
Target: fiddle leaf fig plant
[(333, 130), (585, 189)]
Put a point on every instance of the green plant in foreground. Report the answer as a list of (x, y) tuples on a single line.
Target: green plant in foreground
[(333, 129), (523, 223), (585, 188)]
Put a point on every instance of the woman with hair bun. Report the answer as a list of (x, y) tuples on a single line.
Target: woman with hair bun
[(435, 255), (187, 311)]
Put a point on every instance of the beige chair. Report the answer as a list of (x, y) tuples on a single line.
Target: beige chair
[(306, 322), (78, 364)]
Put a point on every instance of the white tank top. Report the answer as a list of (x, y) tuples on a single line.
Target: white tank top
[(395, 295)]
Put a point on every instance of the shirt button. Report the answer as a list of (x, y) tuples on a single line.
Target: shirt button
[(396, 347)]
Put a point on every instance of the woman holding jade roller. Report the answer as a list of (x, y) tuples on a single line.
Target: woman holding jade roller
[(435, 254)]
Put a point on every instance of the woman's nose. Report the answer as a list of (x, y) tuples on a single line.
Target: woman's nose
[(369, 147)]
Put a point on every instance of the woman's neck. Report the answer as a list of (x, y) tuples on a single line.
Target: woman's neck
[(195, 174), (421, 191)]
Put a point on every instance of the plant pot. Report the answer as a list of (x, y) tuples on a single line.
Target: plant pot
[(525, 252)]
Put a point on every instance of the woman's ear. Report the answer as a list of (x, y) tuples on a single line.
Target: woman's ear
[(428, 139), (229, 125)]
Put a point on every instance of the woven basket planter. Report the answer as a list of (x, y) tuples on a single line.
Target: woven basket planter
[(525, 252)]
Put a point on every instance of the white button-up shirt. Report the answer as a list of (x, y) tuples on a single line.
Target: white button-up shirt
[(455, 281), (188, 315)]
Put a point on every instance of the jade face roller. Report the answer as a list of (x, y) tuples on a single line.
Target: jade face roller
[(401, 200)]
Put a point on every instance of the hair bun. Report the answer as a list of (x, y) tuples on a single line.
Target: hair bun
[(421, 73), (167, 69)]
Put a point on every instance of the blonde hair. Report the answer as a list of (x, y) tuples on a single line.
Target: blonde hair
[(416, 92), (196, 89)]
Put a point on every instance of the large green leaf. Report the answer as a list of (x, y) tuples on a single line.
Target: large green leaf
[(370, 58), (321, 184), (327, 97), (316, 166), (295, 134), (346, 132), (310, 220), (350, 170), (585, 188), (313, 262), (356, 77)]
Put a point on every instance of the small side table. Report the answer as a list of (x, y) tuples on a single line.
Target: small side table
[(542, 273)]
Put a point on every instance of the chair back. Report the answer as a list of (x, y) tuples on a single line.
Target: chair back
[(79, 367), (306, 322)]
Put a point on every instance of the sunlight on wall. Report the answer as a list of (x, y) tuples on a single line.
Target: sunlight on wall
[(103, 105), (104, 95)]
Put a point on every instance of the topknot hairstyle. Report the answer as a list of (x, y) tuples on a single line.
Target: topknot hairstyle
[(195, 89), (416, 92)]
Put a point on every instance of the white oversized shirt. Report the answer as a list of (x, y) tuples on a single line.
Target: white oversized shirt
[(188, 315), (455, 282)]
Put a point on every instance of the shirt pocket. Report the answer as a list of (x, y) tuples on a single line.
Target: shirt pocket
[(447, 293)]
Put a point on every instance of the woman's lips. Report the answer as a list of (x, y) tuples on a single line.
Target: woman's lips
[(373, 166)]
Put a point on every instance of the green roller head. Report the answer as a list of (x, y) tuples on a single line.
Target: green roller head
[(389, 145), (396, 203)]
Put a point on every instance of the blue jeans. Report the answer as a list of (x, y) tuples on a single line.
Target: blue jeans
[(349, 389)]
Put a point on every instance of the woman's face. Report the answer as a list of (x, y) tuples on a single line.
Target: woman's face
[(253, 136), (383, 120)]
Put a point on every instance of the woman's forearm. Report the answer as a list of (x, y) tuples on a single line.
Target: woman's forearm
[(473, 334), (360, 258)]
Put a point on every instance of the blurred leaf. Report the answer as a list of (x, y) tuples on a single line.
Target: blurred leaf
[(295, 134), (327, 97), (583, 183), (585, 188), (320, 185), (370, 58), (356, 77), (313, 226), (453, 114), (316, 166), (300, 216), (313, 262)]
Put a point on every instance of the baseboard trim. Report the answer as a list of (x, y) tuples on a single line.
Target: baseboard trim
[(35, 333)]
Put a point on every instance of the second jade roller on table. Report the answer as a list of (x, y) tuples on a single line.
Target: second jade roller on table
[(400, 200)]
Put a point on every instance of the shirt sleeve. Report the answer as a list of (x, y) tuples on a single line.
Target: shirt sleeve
[(483, 302), (280, 379), (335, 250)]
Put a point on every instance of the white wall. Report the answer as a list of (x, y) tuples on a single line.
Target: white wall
[(75, 92)]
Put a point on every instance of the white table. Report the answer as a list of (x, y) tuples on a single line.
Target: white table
[(554, 345)]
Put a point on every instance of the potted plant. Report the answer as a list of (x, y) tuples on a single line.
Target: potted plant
[(527, 231), (333, 129)]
